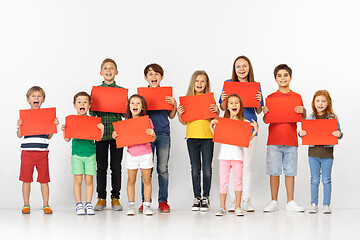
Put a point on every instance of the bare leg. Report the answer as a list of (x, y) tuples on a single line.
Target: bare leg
[(131, 184), (77, 187), (45, 193), (26, 189), (223, 200), (290, 185), (89, 187), (274, 187), (238, 198), (146, 177)]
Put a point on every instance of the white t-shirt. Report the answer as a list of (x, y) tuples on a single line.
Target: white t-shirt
[(231, 152)]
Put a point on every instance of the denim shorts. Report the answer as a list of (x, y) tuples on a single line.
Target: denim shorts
[(281, 158)]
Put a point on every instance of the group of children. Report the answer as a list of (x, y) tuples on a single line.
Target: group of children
[(90, 158)]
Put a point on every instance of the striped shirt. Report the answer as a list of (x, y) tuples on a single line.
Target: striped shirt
[(35, 143)]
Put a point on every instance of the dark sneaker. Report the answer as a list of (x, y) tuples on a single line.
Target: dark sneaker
[(196, 205), (205, 204)]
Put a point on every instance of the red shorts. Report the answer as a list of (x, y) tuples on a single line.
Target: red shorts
[(30, 159)]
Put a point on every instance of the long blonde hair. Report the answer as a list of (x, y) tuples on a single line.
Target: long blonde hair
[(329, 108), (191, 89)]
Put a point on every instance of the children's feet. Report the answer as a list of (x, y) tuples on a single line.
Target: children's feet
[(115, 204), (196, 204), (246, 206), (131, 210), (80, 209), (141, 208), (47, 210), (313, 209), (238, 212), (205, 204), (272, 207), (100, 205), (164, 207), (89, 209), (327, 209), (147, 209), (26, 209), (220, 212), (292, 206), (232, 206)]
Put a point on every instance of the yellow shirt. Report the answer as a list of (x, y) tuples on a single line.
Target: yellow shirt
[(199, 129)]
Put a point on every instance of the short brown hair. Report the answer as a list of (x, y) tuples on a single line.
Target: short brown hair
[(35, 89), (282, 67), (108, 60), (85, 94), (155, 67)]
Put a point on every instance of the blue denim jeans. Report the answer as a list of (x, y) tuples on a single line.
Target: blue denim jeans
[(201, 151), (161, 147), (320, 166)]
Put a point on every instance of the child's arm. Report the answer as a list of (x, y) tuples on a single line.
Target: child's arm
[(265, 110), (214, 109), (212, 125), (101, 127), (173, 102), (256, 129), (19, 123), (114, 135), (223, 98), (259, 109), (63, 129), (151, 132), (180, 111), (56, 121), (302, 110)]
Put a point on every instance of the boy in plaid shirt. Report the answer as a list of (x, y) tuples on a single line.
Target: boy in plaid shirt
[(108, 72)]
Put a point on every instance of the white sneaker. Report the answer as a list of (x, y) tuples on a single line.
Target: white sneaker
[(80, 209), (131, 210), (147, 209), (327, 209), (292, 206), (272, 207), (246, 206), (238, 212), (313, 209), (232, 206), (89, 209)]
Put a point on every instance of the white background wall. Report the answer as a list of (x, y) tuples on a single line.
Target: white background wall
[(59, 45)]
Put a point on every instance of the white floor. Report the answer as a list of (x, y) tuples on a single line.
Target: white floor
[(179, 224)]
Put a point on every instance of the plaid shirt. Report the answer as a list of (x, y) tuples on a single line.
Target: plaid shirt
[(107, 118)]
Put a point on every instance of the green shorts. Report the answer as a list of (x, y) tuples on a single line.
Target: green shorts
[(83, 165)]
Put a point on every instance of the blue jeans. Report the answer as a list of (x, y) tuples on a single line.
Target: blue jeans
[(320, 166), (161, 147), (201, 150)]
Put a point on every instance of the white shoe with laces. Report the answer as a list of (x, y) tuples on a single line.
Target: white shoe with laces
[(272, 207), (238, 212), (131, 210), (313, 209), (232, 206), (292, 206), (147, 209), (246, 206), (327, 209)]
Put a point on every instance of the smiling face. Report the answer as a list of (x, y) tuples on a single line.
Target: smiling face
[(82, 105), (200, 84), (321, 104), (108, 71), (35, 99), (242, 69), (153, 78), (135, 106), (234, 106), (283, 78)]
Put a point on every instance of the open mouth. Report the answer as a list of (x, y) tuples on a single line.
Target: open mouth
[(36, 104), (135, 109), (153, 81), (82, 109), (234, 109), (108, 74)]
